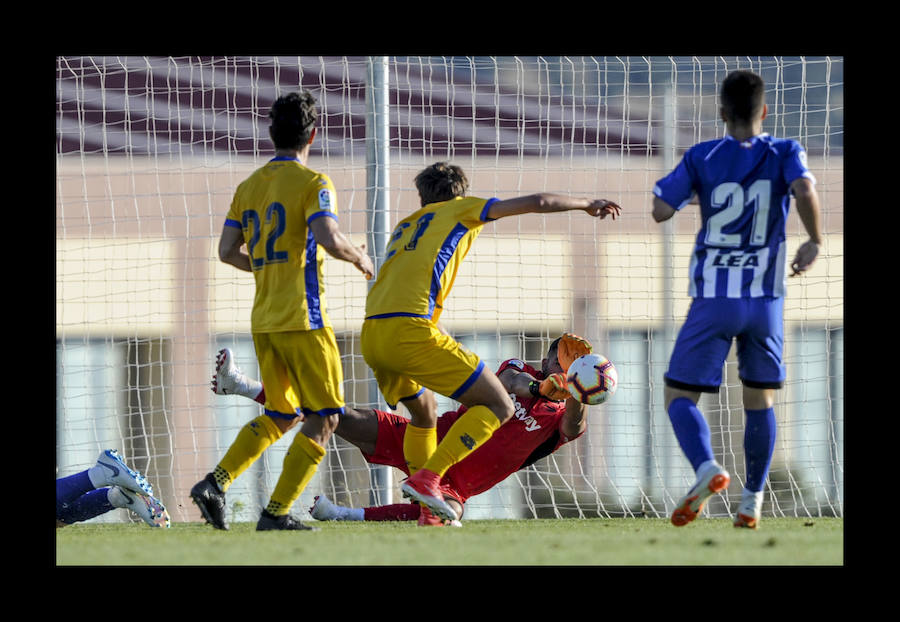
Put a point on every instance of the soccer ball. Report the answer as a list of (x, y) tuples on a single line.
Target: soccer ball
[(592, 379)]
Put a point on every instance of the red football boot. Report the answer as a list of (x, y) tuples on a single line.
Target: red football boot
[(423, 487)]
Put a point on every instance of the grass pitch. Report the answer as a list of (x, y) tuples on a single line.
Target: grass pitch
[(543, 542)]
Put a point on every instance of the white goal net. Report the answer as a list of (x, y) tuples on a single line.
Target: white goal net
[(150, 149)]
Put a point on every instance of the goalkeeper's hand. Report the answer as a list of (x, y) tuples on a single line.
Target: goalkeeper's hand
[(554, 387), (571, 347)]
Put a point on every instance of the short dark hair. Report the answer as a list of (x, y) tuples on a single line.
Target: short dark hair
[(441, 181), (554, 344), (742, 96), (293, 118)]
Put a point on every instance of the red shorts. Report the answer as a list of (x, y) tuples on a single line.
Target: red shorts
[(389, 448)]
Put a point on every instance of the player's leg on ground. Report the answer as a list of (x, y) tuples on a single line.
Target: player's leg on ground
[(759, 445), (324, 509), (84, 507), (70, 488), (762, 371)]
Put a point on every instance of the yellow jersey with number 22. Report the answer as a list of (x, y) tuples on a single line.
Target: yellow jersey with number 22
[(274, 207)]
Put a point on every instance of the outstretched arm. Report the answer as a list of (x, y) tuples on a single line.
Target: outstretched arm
[(546, 203)]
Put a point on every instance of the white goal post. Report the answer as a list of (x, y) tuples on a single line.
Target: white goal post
[(150, 149)]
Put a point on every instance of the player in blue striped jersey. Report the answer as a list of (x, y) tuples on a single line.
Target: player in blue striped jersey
[(743, 183)]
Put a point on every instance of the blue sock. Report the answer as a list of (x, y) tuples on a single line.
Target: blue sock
[(70, 488), (691, 430), (759, 444), (88, 505)]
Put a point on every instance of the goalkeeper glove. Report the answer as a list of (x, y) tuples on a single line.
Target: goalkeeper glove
[(554, 387), (571, 347)]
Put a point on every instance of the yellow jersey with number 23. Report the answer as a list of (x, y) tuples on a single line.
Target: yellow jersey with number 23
[(274, 208), (423, 257)]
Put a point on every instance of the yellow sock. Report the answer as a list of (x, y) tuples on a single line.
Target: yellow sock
[(468, 433), (300, 464), (418, 445), (253, 439)]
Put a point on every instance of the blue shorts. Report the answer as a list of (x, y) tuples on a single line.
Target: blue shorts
[(757, 324)]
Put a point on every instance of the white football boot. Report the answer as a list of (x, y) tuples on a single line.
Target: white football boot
[(230, 380), (148, 508), (749, 511), (712, 479), (325, 509), (111, 470)]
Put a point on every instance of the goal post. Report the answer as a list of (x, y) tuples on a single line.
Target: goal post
[(378, 167), (149, 151)]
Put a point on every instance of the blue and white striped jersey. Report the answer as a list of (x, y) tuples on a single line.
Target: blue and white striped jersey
[(743, 188)]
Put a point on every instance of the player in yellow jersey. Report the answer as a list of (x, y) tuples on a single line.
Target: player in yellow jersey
[(286, 215), (410, 356)]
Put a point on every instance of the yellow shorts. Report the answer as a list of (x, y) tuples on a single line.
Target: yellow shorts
[(301, 372), (409, 353)]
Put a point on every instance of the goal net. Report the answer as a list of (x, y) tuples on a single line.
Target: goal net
[(150, 149)]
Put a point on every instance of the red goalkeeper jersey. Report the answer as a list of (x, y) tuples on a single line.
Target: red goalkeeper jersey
[(531, 434)]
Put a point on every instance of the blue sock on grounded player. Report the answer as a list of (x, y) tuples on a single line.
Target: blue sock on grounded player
[(691, 430), (759, 444), (68, 489), (88, 505)]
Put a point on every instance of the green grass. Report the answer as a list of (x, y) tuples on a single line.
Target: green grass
[(566, 542)]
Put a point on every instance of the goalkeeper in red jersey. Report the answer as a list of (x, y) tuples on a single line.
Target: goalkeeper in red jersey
[(545, 418)]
